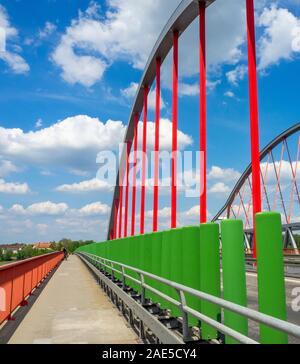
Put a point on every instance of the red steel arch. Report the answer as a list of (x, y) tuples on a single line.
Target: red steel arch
[(184, 15)]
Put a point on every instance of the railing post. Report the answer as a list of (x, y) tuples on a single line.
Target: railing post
[(185, 318), (123, 278), (143, 289), (270, 272)]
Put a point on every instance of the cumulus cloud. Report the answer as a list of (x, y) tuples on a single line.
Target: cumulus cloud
[(7, 167), (49, 208), (92, 185), (223, 174), (119, 34), (94, 209), (12, 188), (219, 187), (75, 142), (237, 74), (281, 36), (8, 50), (42, 208)]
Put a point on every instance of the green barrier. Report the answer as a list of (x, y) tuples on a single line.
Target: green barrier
[(210, 276), (176, 266), (234, 275), (191, 267), (133, 260), (270, 270), (166, 266), (146, 247), (156, 242)]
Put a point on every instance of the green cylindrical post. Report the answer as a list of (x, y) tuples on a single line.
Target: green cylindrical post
[(234, 274), (210, 275), (270, 271), (191, 266)]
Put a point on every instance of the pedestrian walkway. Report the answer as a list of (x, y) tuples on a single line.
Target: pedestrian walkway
[(72, 309)]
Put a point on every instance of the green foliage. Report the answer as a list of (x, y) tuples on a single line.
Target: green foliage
[(7, 256), (70, 245), (29, 252)]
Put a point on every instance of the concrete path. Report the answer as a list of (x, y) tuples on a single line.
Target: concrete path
[(72, 309)]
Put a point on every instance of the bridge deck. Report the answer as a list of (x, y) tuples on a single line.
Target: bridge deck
[(71, 310)]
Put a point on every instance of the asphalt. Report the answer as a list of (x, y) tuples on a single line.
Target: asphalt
[(293, 316)]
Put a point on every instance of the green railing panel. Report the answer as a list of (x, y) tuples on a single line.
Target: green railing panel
[(270, 268), (191, 266), (234, 274), (210, 275)]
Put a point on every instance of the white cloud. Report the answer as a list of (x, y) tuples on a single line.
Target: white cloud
[(281, 36), (42, 208), (119, 34), (223, 174), (164, 213), (130, 92), (94, 209), (219, 187), (49, 208), (48, 29), (236, 74), (39, 123), (75, 142), (9, 52), (14, 188), (7, 167), (229, 94), (72, 143), (165, 137), (92, 185)]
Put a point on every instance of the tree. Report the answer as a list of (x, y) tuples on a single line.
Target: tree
[(7, 256)]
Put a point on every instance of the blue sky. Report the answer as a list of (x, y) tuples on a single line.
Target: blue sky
[(67, 81)]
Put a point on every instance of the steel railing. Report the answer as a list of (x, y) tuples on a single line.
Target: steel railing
[(18, 280), (272, 322)]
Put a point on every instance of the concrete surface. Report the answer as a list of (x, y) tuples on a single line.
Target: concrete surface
[(72, 309)]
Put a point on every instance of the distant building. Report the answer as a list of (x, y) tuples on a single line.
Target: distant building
[(14, 248), (42, 246)]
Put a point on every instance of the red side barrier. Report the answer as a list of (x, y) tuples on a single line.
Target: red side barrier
[(18, 280)]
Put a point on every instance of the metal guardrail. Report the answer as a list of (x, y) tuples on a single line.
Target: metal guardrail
[(272, 322), (18, 280)]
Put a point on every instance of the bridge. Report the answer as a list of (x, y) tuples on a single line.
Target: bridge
[(234, 279)]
